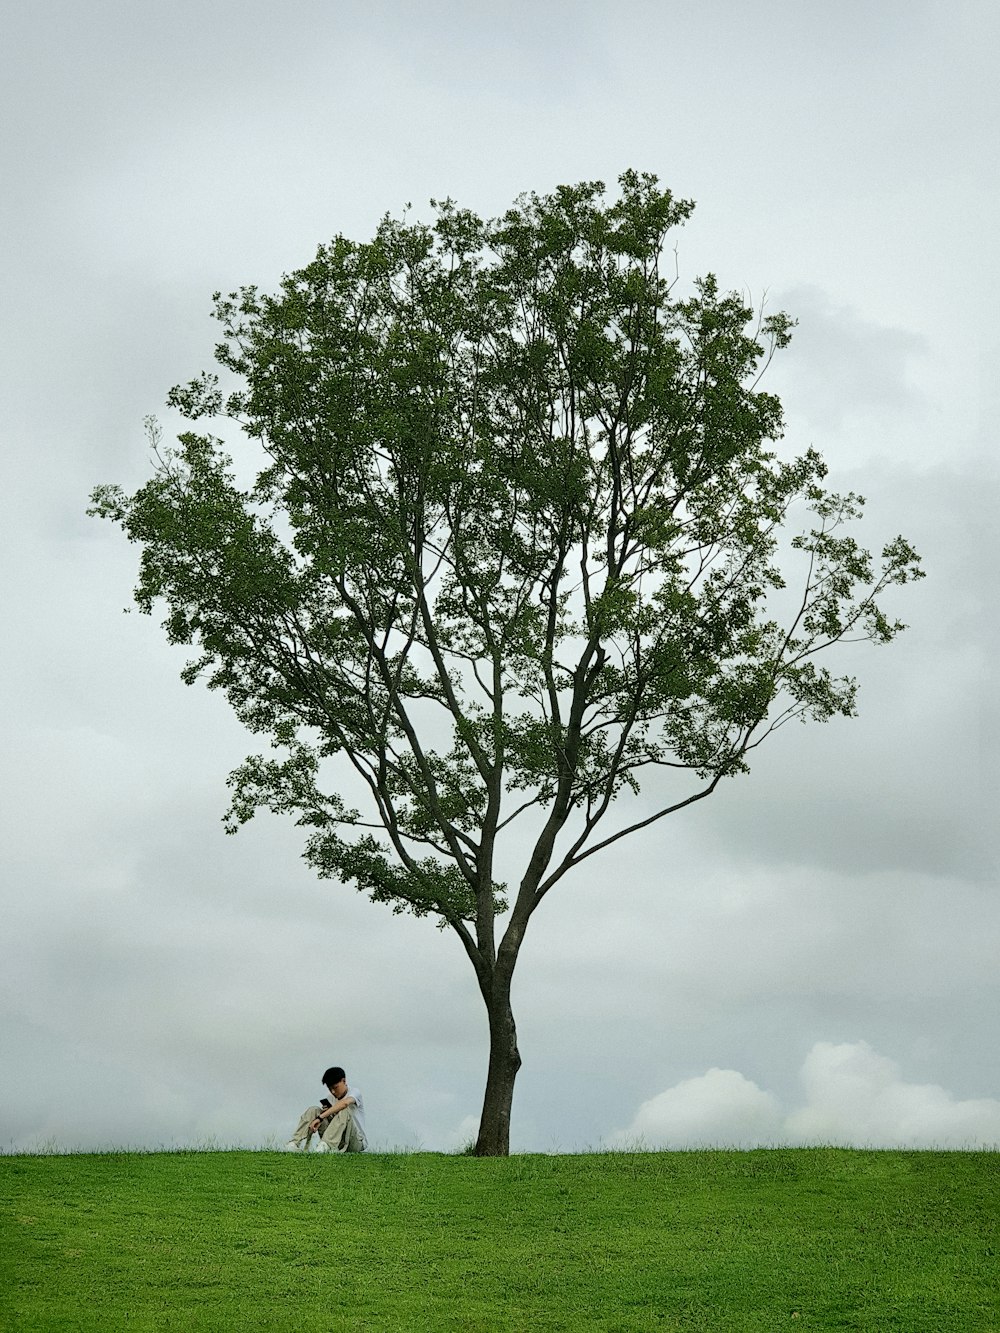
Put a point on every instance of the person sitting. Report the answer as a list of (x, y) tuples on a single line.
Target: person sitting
[(339, 1123)]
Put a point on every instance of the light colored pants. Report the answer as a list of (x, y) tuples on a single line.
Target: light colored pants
[(339, 1132)]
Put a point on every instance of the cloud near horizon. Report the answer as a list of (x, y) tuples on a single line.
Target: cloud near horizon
[(854, 1097)]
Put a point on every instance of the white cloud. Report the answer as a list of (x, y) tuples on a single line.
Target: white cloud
[(719, 1109), (854, 1098)]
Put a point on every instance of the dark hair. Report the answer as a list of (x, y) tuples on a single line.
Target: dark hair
[(333, 1075)]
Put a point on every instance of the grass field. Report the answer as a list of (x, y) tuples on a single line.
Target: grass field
[(765, 1240)]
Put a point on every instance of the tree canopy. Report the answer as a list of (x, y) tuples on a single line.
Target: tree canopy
[(519, 541)]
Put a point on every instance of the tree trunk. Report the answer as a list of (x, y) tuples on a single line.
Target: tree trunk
[(505, 1061)]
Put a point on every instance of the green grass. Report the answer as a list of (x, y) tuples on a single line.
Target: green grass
[(800, 1239)]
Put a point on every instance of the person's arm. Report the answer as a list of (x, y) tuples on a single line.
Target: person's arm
[(332, 1110), (347, 1100)]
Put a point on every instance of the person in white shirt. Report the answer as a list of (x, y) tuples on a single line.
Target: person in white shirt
[(339, 1123)]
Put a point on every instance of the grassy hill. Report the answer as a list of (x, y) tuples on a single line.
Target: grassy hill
[(765, 1240)]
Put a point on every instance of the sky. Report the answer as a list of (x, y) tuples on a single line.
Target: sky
[(808, 957)]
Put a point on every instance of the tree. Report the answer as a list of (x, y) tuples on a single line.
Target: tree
[(517, 542)]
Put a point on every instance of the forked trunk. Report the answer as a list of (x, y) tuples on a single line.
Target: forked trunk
[(505, 1061)]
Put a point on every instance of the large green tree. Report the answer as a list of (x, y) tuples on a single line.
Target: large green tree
[(518, 543)]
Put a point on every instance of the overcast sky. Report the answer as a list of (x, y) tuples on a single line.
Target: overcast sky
[(811, 956)]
